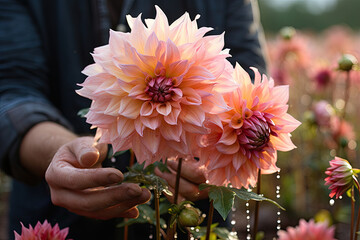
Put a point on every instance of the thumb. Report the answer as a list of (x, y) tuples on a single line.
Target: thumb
[(88, 152)]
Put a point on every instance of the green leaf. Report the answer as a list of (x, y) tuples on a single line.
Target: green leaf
[(246, 195), (83, 112), (223, 233), (223, 198), (137, 174)]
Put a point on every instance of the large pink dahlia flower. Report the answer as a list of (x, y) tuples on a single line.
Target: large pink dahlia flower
[(42, 232), (309, 231), (152, 88), (250, 133)]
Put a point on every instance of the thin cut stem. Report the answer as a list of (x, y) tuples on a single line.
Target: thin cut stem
[(172, 230), (131, 163), (157, 212), (347, 93), (358, 215), (209, 222), (177, 183), (257, 205), (352, 213)]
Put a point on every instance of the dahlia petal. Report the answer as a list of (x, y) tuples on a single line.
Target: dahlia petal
[(228, 149), (164, 108), (138, 34), (214, 104), (129, 107), (99, 119), (194, 129), (287, 122), (151, 122), (193, 115), (228, 137), (130, 72), (151, 140), (221, 161), (172, 117), (92, 69), (113, 107), (279, 110), (238, 160), (147, 108), (160, 25), (236, 121), (190, 97), (280, 94), (241, 76), (283, 142), (177, 68), (116, 43), (197, 73), (170, 132)]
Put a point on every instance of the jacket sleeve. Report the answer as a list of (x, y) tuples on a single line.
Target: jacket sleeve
[(244, 35), (23, 85)]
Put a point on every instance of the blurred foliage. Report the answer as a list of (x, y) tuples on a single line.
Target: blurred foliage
[(345, 12)]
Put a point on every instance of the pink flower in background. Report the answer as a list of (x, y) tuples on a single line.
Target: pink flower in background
[(308, 231), (341, 129), (323, 78), (42, 232), (250, 133), (323, 113), (152, 88), (341, 177)]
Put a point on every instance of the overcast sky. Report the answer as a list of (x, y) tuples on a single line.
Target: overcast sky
[(313, 5)]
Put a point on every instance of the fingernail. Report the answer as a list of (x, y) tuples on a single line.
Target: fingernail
[(114, 178)]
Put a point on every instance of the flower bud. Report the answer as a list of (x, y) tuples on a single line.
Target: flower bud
[(287, 33), (341, 177), (190, 217), (347, 62)]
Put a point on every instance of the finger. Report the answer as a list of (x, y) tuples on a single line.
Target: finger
[(86, 151), (190, 170), (63, 175), (109, 213), (188, 190), (126, 196)]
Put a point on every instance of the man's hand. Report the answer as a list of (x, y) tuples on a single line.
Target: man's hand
[(191, 177), (78, 183)]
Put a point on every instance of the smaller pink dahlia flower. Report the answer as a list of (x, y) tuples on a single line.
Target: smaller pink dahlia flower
[(309, 231), (249, 135), (341, 177), (42, 232)]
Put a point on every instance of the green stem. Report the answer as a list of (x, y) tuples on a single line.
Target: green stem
[(347, 93), (131, 163), (157, 212), (172, 230), (358, 215), (177, 183), (257, 205), (352, 213), (210, 218)]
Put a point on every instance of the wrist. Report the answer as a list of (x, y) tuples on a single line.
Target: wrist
[(40, 144)]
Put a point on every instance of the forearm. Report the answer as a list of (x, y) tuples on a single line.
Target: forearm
[(40, 144)]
